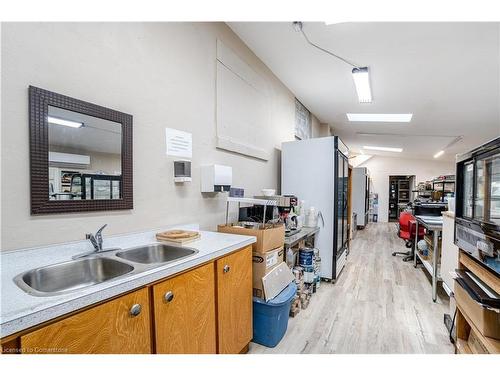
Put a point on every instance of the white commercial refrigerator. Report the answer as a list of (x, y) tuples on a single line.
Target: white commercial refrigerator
[(316, 171), (361, 195)]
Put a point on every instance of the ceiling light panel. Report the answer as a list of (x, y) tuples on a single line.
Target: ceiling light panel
[(379, 117), (362, 83), (63, 122), (380, 148), (438, 154)]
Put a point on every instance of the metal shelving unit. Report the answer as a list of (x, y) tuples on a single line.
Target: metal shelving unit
[(262, 202), (399, 195), (428, 266), (434, 225), (444, 184)]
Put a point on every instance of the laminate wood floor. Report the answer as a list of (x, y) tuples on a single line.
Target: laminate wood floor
[(380, 304)]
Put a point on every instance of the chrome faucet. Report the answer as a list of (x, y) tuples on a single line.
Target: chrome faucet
[(96, 239)]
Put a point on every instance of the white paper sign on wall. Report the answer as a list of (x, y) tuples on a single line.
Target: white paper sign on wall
[(179, 143)]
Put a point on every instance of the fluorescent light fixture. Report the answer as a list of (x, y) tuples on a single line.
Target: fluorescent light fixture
[(377, 148), (380, 117), (63, 122), (362, 83), (454, 141), (438, 154)]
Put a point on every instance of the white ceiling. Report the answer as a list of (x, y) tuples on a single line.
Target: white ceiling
[(446, 74)]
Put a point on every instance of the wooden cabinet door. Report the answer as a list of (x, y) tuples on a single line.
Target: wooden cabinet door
[(234, 301), (184, 310), (110, 328)]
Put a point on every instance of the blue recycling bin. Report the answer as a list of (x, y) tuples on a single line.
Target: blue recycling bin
[(270, 319)]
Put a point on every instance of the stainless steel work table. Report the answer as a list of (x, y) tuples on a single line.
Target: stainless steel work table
[(433, 224), (301, 234)]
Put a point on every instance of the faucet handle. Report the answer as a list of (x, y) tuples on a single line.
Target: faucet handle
[(98, 235), (93, 240)]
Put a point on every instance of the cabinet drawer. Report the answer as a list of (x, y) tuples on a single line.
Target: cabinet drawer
[(487, 321), (184, 311), (119, 326)]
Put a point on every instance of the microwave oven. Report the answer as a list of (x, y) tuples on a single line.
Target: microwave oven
[(477, 214)]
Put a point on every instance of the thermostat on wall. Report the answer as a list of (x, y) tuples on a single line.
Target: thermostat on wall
[(182, 171)]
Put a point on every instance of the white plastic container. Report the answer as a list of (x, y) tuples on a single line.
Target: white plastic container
[(268, 192), (311, 218)]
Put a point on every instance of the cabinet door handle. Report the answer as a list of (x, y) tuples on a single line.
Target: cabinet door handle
[(169, 296), (135, 309), (226, 268)]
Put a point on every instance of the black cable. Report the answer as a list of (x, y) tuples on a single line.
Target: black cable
[(452, 325), (299, 27)]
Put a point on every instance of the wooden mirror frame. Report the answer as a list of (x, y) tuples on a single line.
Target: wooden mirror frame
[(39, 102)]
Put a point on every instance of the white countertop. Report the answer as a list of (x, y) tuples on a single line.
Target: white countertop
[(431, 222), (20, 310)]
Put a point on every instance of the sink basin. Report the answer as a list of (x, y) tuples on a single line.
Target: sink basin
[(70, 276), (156, 253)]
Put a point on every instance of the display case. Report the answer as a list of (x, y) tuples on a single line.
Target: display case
[(96, 186), (477, 222)]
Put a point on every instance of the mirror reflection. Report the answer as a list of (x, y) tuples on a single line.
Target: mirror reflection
[(84, 156)]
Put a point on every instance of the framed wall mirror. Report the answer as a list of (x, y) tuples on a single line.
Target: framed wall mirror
[(80, 153)]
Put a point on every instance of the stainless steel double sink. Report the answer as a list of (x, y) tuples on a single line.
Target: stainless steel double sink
[(97, 268)]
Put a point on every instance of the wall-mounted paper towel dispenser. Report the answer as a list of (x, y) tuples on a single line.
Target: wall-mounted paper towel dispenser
[(216, 178)]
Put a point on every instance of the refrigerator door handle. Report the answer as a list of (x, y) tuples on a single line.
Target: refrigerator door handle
[(320, 215)]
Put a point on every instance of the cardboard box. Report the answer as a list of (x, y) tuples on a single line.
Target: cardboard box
[(262, 264), (267, 239), (276, 280), (486, 321)]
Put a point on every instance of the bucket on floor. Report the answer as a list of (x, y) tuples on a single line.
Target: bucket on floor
[(306, 256), (270, 319)]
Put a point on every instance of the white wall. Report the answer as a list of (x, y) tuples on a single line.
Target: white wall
[(382, 167), (357, 160), (319, 129), (99, 161), (161, 73)]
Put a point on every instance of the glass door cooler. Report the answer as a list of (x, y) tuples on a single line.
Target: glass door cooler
[(477, 221)]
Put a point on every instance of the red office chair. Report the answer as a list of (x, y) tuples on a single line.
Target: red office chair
[(407, 230)]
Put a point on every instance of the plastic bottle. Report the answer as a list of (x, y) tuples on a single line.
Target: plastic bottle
[(289, 258), (317, 268)]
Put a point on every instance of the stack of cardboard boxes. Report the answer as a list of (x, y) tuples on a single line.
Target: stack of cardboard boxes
[(263, 263), (270, 274)]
